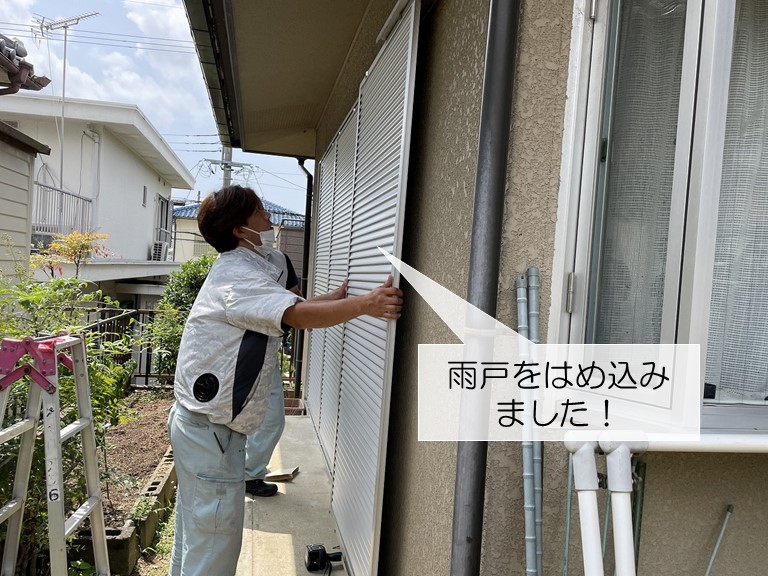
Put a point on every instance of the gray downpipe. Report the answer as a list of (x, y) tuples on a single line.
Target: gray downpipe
[(471, 457), (299, 334)]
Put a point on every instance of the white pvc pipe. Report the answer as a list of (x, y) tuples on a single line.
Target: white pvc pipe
[(619, 456), (590, 533), (585, 482), (619, 463), (623, 543)]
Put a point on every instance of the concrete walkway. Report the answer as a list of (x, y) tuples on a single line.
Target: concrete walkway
[(277, 529)]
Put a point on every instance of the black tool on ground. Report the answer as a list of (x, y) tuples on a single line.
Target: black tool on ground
[(316, 558)]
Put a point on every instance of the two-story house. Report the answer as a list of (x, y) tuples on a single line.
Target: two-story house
[(113, 175)]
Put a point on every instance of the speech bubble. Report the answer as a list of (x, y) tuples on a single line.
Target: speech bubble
[(498, 385)]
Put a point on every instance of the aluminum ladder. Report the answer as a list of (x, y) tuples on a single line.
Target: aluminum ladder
[(42, 372)]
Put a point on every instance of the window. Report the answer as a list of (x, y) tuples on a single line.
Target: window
[(163, 219), (671, 241)]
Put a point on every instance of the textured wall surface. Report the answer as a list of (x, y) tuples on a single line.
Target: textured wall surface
[(686, 498)]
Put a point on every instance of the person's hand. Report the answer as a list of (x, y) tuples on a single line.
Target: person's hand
[(340, 293), (386, 301)]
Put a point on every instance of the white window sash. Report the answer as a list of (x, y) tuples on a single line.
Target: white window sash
[(585, 224), (696, 185)]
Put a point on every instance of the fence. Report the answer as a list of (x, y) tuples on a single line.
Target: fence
[(113, 323), (56, 211)]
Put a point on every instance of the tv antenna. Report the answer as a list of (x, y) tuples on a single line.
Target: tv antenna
[(64, 23)]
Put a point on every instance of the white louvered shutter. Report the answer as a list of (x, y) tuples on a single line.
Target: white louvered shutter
[(361, 205), (384, 112), (337, 273), (320, 283)]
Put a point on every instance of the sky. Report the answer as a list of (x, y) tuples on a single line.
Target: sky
[(141, 52)]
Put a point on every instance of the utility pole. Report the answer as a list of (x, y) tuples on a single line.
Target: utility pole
[(226, 164), (58, 24)]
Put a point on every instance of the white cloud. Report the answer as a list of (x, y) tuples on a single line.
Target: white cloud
[(167, 86), (15, 11)]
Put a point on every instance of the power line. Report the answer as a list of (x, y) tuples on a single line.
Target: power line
[(281, 178), (194, 135), (201, 151), (163, 44), (116, 45), (299, 188), (26, 28)]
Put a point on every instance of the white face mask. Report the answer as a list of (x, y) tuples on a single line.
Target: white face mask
[(255, 246), (268, 238)]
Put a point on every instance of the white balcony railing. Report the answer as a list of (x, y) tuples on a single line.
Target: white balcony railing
[(56, 211)]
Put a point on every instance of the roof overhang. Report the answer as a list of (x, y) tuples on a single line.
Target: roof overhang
[(125, 121), (270, 67), (10, 135)]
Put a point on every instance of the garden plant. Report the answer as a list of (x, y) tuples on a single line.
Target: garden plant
[(28, 308)]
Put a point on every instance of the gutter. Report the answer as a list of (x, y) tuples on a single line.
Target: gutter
[(304, 278), (484, 261)]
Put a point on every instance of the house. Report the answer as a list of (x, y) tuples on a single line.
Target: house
[(113, 175), (17, 158), (288, 227), (616, 146)]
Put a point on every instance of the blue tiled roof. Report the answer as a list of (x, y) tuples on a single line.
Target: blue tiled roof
[(188, 211), (279, 213)]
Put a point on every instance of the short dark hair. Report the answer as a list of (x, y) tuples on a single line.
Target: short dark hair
[(224, 210)]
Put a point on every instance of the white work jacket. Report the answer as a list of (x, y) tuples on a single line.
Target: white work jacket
[(227, 354)]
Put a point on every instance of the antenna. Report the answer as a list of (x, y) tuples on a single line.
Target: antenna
[(56, 25)]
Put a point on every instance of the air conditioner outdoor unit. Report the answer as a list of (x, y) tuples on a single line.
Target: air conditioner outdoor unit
[(159, 251)]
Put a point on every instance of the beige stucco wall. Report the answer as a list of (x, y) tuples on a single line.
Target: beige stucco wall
[(686, 495), (446, 118)]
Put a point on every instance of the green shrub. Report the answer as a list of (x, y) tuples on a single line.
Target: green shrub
[(164, 332)]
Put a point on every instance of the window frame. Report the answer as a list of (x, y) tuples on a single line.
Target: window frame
[(703, 104)]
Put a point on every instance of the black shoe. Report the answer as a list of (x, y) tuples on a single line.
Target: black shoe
[(260, 488)]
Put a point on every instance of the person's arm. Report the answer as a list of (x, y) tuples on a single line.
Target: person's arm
[(386, 302)]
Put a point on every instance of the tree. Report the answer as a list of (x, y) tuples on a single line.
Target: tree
[(165, 330), (76, 247)]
